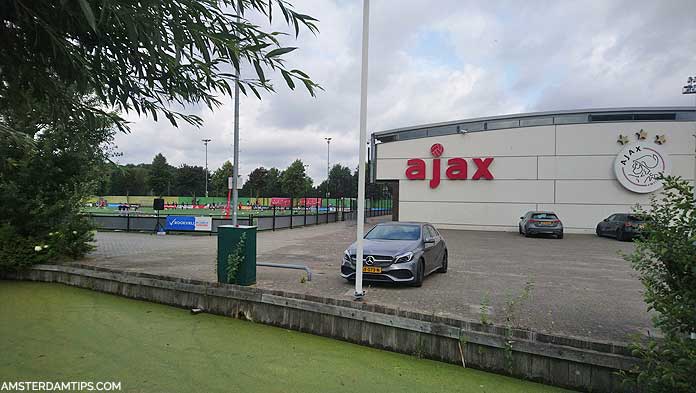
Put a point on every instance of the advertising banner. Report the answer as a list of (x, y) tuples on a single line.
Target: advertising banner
[(280, 202), (188, 223), (204, 224), (310, 202)]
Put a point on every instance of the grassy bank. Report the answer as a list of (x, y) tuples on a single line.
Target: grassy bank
[(53, 332)]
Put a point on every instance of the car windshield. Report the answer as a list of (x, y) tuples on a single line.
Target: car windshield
[(394, 232), (544, 216)]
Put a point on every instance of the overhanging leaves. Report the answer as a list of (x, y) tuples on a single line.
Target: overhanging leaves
[(149, 57)]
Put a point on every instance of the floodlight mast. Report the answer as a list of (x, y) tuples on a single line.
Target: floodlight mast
[(359, 293)]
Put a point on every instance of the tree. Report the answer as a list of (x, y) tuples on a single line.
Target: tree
[(272, 186), (70, 69), (340, 181), (256, 183), (664, 260), (139, 55), (161, 175), (219, 182), (189, 180), (295, 181), (129, 180), (46, 171)]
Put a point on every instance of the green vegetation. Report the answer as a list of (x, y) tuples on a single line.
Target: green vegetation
[(664, 260), (53, 332), (160, 178), (70, 70)]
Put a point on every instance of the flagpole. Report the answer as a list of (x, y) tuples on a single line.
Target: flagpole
[(359, 293)]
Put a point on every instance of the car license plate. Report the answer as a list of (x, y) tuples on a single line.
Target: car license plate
[(546, 223), (372, 269)]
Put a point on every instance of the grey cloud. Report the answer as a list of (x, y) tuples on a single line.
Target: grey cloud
[(510, 57)]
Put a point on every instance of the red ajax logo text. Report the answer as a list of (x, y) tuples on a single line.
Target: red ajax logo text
[(457, 168)]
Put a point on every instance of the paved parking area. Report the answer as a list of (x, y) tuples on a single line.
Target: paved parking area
[(581, 284)]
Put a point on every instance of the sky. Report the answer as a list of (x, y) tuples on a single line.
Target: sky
[(434, 61)]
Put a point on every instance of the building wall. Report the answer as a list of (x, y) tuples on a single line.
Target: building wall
[(564, 168)]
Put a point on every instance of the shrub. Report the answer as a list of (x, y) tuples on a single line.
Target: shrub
[(665, 259)]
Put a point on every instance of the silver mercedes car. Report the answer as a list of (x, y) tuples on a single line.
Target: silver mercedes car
[(398, 252)]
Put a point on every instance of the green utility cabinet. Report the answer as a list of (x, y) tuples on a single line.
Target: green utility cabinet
[(229, 237)]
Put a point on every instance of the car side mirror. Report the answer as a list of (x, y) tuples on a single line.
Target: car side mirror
[(606, 220), (521, 218), (428, 240)]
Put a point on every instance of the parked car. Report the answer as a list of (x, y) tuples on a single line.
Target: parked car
[(398, 252), (541, 223), (622, 226)]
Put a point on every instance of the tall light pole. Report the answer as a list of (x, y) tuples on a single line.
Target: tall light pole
[(235, 167), (690, 88), (359, 293), (205, 142), (328, 170)]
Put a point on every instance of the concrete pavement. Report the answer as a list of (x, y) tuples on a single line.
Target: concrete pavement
[(581, 284)]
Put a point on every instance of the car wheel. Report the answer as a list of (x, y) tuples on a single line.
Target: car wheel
[(599, 233), (443, 268), (560, 235), (519, 227), (526, 234), (420, 274)]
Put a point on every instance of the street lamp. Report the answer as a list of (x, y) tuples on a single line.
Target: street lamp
[(360, 227), (205, 142), (328, 171)]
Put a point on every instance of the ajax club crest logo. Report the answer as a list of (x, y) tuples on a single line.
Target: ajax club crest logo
[(639, 165)]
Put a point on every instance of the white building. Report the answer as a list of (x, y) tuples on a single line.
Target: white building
[(561, 161)]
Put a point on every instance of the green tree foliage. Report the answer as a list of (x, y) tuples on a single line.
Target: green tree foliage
[(140, 55), (341, 181), (129, 180), (219, 180), (256, 183), (68, 69), (294, 181), (272, 186), (189, 181), (160, 176), (665, 261), (372, 190), (46, 170)]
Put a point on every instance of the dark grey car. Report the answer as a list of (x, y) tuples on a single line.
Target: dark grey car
[(541, 223), (622, 226), (398, 252)]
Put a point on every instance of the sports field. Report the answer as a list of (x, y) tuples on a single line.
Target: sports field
[(199, 212), (54, 333)]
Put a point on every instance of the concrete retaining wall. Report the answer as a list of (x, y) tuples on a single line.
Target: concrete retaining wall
[(554, 360)]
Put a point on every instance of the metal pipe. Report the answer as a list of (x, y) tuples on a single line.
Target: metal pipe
[(359, 293), (205, 142), (287, 266), (235, 167)]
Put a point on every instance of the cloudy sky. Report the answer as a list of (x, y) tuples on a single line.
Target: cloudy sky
[(433, 61)]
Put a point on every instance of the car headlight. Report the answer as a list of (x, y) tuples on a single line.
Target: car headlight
[(405, 257), (346, 256)]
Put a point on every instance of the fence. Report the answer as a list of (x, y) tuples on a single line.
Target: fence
[(270, 219)]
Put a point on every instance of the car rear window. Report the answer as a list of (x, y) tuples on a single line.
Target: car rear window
[(394, 232), (544, 216), (635, 218)]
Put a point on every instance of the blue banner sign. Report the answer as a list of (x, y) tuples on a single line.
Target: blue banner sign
[(181, 223), (188, 223)]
